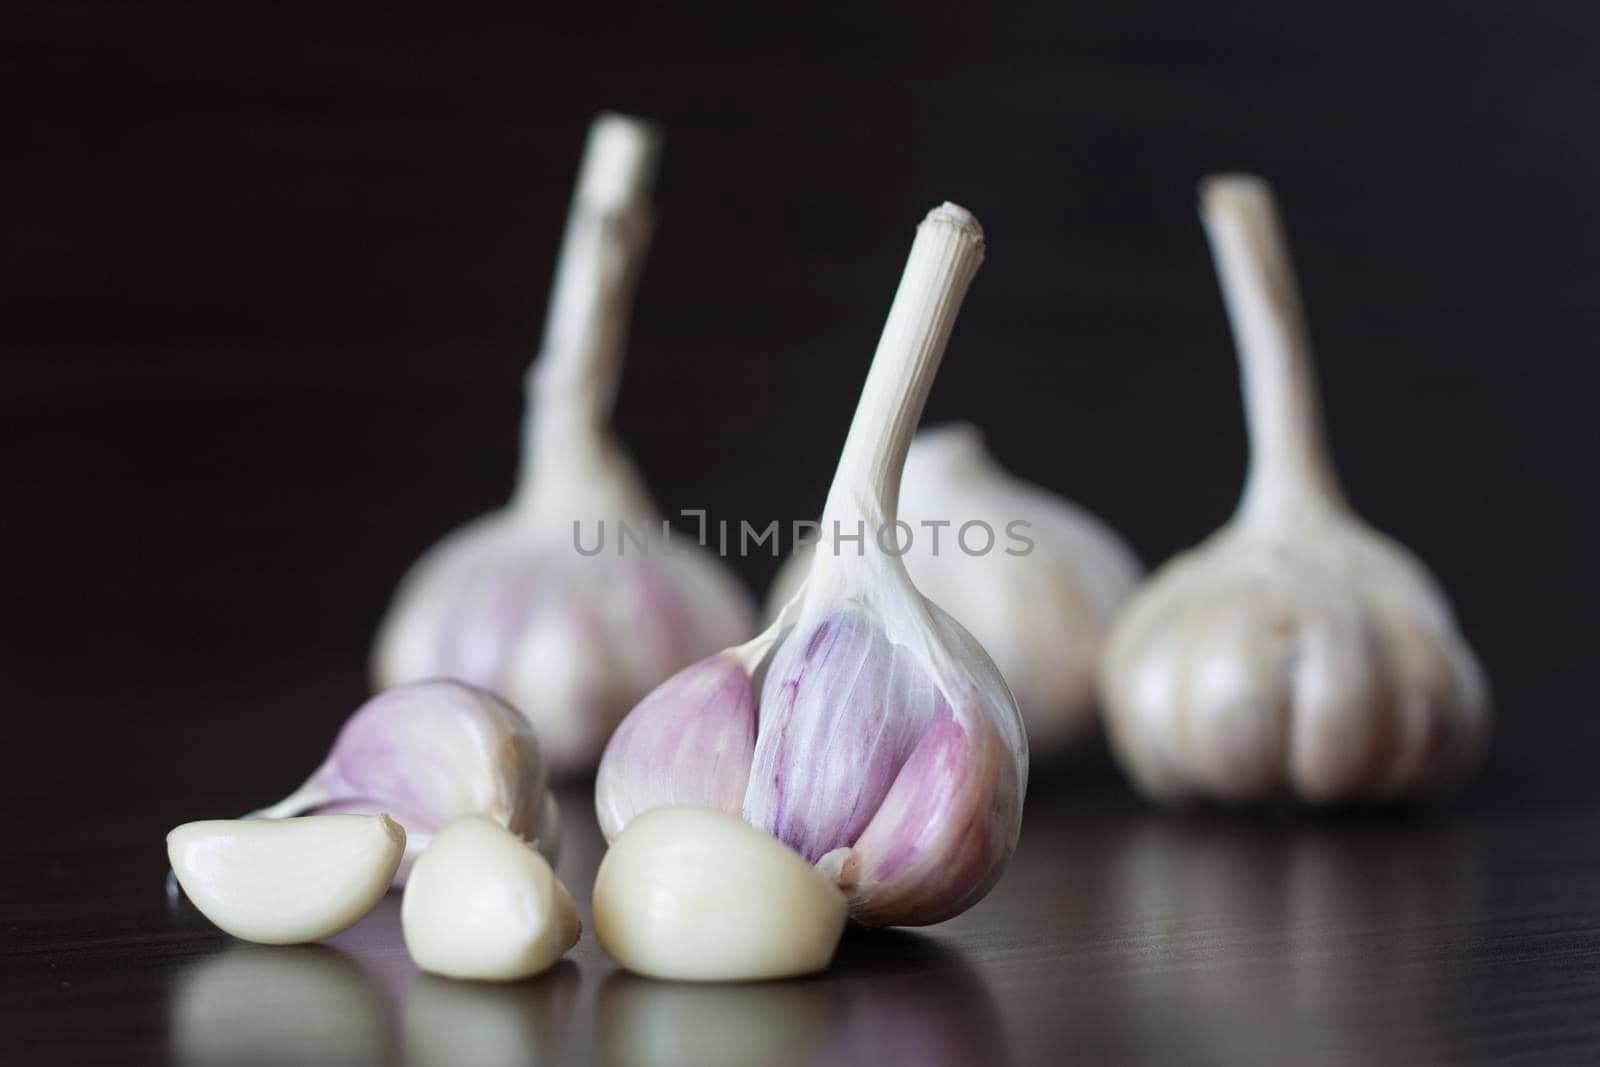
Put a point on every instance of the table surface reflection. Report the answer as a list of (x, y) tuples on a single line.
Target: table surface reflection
[(1119, 934)]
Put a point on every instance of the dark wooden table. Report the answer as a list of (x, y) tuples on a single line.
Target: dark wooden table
[(1119, 935)]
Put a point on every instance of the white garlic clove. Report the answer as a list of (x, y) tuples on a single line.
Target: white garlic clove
[(888, 749), (1039, 596), (547, 601), (1297, 651), (427, 753), (481, 904), (688, 742), (694, 895), (286, 881)]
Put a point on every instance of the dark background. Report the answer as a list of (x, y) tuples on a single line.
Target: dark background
[(270, 279)]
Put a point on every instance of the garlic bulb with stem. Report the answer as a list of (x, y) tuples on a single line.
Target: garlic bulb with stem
[(1297, 651), (1037, 580), (882, 743), (516, 601), (428, 753)]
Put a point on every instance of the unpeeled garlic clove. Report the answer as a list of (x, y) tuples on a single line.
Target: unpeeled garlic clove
[(693, 895), (888, 749), (282, 882), (1038, 596), (689, 742), (430, 752), (1297, 651), (481, 904), (547, 601)]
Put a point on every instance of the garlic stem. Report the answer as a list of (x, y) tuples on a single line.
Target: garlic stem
[(573, 383), (1290, 469), (866, 486)]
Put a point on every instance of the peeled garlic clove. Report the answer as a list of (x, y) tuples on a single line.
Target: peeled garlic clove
[(547, 601), (481, 904), (1297, 651), (1035, 578), (428, 753), (888, 749), (286, 881), (688, 742), (693, 895)]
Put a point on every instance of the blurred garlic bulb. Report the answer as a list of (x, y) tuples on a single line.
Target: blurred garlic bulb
[(884, 746), (520, 601), (1035, 578), (1297, 651)]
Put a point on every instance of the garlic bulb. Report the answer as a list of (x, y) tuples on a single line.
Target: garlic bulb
[(288, 881), (1035, 578), (884, 746), (520, 601), (481, 904), (1297, 651), (427, 753)]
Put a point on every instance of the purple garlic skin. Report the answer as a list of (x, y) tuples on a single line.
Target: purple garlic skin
[(911, 800), (427, 753), (703, 716), (835, 688)]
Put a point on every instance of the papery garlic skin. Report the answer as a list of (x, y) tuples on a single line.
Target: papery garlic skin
[(1297, 651), (572, 642), (546, 601), (283, 882), (703, 716), (887, 749), (482, 905), (1040, 598), (693, 895), (428, 753)]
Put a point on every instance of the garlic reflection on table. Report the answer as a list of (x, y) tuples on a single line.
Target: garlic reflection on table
[(514, 601), (892, 998), (1035, 578), (641, 1022), (303, 1004), (448, 1023), (1336, 931), (913, 999)]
